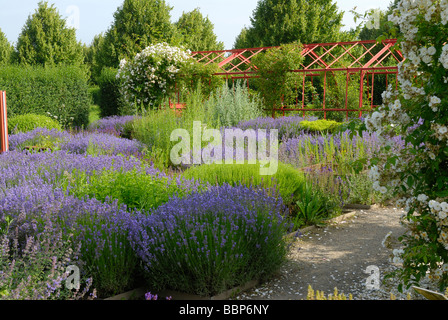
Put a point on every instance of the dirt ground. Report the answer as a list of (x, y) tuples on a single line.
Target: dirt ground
[(337, 256)]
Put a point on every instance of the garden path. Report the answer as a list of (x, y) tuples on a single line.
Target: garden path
[(337, 256)]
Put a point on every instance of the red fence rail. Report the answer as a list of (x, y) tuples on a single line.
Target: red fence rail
[(368, 60), (4, 143)]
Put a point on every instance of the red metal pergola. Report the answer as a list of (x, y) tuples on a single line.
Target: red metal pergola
[(370, 59)]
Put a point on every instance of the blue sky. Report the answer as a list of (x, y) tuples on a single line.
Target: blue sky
[(95, 16)]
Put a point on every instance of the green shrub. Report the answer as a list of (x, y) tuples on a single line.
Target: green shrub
[(320, 126), (62, 91), (312, 206), (228, 106), (109, 94), (29, 122), (136, 189), (154, 130), (275, 82), (286, 181)]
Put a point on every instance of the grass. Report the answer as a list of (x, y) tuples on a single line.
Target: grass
[(94, 113)]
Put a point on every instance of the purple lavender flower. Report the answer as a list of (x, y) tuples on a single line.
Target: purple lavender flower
[(113, 125), (239, 225), (80, 143)]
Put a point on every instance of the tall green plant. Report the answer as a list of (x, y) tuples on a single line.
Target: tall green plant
[(231, 105), (276, 84)]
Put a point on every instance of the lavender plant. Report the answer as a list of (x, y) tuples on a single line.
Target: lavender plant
[(287, 127), (38, 270), (114, 125), (80, 143), (98, 227), (208, 242)]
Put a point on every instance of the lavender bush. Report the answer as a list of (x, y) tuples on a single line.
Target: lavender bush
[(98, 227), (208, 242), (287, 126), (114, 125), (37, 270), (93, 143)]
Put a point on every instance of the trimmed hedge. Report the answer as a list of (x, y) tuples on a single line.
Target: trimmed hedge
[(60, 91), (109, 93)]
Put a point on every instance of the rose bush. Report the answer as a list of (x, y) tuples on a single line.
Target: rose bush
[(418, 111), (151, 75)]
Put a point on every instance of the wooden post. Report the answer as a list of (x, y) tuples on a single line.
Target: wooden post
[(4, 141)]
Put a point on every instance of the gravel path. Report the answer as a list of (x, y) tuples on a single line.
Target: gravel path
[(337, 256)]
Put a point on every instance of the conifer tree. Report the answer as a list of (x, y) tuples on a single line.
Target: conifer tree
[(137, 24), (46, 40), (277, 22), (5, 49), (197, 32)]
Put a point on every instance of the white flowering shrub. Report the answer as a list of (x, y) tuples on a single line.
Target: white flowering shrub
[(151, 76), (418, 110)]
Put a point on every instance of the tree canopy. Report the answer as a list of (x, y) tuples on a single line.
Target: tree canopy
[(277, 22), (137, 24), (46, 40), (5, 48), (382, 28), (197, 32)]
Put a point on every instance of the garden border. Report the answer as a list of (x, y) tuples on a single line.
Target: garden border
[(176, 295)]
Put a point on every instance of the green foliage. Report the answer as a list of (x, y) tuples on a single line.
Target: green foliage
[(6, 49), (196, 75), (312, 206), (137, 24), (91, 57), (197, 32), (46, 40), (320, 126), (228, 106), (417, 174), (276, 22), (275, 83), (29, 122), (135, 189), (286, 181), (154, 130), (109, 95), (61, 91)]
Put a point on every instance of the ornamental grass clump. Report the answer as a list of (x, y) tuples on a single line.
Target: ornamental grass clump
[(209, 242)]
